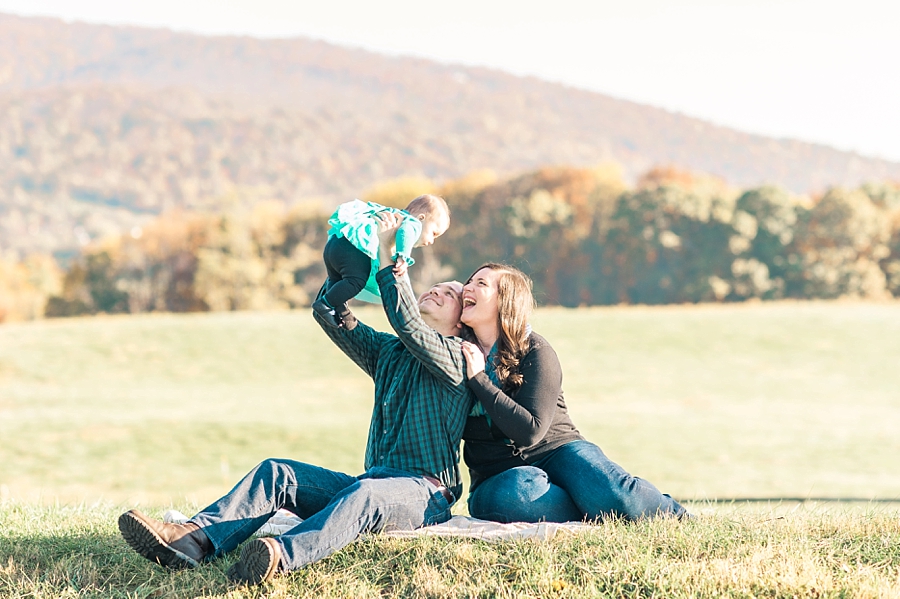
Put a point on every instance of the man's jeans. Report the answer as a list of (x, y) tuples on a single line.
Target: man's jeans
[(336, 508), (574, 482)]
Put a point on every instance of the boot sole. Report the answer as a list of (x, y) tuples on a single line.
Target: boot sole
[(258, 563), (148, 544), (329, 315)]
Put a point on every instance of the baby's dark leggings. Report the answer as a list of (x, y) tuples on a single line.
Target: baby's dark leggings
[(348, 270)]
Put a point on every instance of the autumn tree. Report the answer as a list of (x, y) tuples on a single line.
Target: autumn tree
[(765, 263), (669, 242), (581, 233), (26, 285), (841, 240), (537, 221), (398, 193)]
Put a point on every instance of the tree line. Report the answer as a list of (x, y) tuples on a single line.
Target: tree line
[(585, 237)]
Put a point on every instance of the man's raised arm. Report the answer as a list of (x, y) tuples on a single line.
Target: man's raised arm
[(362, 344), (440, 354)]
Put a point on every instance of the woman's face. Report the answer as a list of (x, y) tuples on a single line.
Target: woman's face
[(480, 298)]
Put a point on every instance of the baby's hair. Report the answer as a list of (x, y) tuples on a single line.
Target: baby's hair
[(429, 205)]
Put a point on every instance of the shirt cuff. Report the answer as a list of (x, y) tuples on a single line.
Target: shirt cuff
[(385, 275), (482, 385)]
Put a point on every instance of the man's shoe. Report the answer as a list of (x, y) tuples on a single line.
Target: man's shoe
[(259, 561), (326, 312), (172, 545)]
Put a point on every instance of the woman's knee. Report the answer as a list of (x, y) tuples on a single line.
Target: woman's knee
[(502, 492), (522, 494), (525, 483)]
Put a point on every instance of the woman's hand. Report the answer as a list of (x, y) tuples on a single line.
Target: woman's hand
[(474, 358)]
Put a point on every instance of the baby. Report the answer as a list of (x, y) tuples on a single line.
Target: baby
[(351, 253)]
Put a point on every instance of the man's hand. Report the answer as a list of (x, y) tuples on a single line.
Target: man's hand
[(474, 358), (388, 223), (401, 266)]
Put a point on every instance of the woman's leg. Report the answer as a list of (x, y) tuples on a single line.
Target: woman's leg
[(348, 270), (522, 494), (600, 487)]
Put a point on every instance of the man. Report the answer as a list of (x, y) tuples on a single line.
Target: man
[(412, 455)]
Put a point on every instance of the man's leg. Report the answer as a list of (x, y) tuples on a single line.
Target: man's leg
[(600, 487), (301, 488), (522, 494), (369, 505)]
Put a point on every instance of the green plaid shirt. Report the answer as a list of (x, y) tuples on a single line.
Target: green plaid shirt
[(421, 396)]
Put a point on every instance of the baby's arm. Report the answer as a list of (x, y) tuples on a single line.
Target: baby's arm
[(407, 236), (388, 223)]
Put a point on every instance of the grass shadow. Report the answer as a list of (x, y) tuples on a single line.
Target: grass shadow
[(97, 564)]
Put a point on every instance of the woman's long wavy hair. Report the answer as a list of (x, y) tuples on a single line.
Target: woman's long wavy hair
[(515, 302)]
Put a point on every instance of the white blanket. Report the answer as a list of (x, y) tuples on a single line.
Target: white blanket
[(457, 526)]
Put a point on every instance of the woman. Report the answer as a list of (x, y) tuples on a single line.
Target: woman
[(527, 460)]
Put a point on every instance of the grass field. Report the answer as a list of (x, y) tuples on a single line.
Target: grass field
[(765, 400), (76, 552), (734, 401)]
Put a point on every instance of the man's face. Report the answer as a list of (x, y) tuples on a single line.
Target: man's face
[(441, 306)]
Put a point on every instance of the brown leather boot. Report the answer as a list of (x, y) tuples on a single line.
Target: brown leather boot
[(172, 545), (259, 561)]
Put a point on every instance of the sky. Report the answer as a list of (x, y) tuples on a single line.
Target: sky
[(822, 71)]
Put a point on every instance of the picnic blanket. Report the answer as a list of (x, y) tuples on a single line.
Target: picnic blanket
[(457, 526)]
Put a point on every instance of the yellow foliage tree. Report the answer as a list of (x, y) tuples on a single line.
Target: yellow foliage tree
[(25, 287), (398, 193)]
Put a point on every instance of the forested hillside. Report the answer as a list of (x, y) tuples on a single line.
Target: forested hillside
[(103, 128), (584, 235)]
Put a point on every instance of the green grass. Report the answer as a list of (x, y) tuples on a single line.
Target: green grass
[(171, 407), (755, 400), (76, 552), (787, 399), (771, 400)]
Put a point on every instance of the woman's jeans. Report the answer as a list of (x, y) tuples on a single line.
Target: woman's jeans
[(336, 508), (574, 482)]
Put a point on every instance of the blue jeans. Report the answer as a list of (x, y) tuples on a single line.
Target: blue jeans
[(573, 482), (336, 508)]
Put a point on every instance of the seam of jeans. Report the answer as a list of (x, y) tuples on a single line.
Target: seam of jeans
[(329, 545), (272, 503), (297, 486)]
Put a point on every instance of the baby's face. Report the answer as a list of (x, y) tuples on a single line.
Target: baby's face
[(432, 228)]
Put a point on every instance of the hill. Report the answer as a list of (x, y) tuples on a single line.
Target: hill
[(100, 125)]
